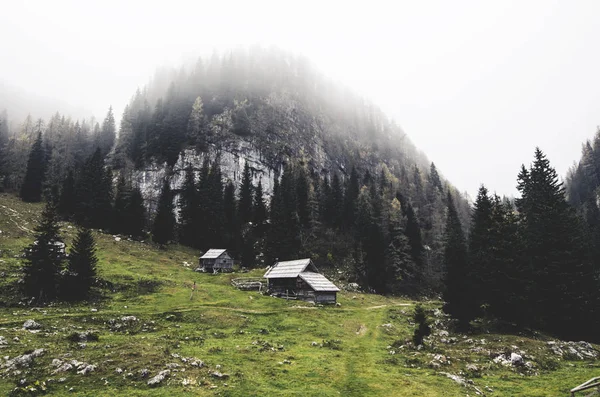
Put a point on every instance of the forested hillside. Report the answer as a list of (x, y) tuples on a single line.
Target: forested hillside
[(257, 152)]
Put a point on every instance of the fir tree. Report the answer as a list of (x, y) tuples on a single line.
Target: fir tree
[(401, 272), (215, 211), (67, 201), (188, 210), (106, 136), (31, 190), (335, 204), (554, 256), (163, 229), (260, 209), (232, 225), (456, 295), (120, 220), (245, 203), (94, 193), (44, 258), (352, 191), (136, 214), (303, 193), (82, 266)]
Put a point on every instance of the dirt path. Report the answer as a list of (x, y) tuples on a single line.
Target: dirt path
[(381, 306)]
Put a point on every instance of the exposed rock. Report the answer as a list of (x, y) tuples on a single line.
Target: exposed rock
[(219, 375), (3, 341), (458, 379), (87, 369), (129, 319), (23, 361), (144, 373), (158, 379), (516, 359), (31, 325)]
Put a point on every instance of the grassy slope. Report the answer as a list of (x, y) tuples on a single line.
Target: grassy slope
[(263, 343)]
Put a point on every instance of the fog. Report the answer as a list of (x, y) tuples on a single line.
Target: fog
[(476, 85)]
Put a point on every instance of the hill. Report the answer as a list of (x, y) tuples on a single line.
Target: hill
[(234, 343)]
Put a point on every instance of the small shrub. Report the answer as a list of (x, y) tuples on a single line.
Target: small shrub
[(333, 344), (423, 329), (547, 364)]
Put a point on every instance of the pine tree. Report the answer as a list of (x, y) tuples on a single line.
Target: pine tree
[(260, 209), (31, 190), (136, 214), (196, 134), (303, 192), (555, 258), (120, 220), (106, 137), (232, 225), (163, 229), (245, 203), (67, 201), (82, 266), (215, 211), (352, 191), (457, 293), (44, 258), (188, 210), (401, 272), (94, 193), (481, 248)]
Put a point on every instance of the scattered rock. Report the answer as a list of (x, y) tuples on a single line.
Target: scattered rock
[(129, 319), (158, 379), (314, 344), (119, 371), (3, 341), (87, 369), (472, 367), (516, 359), (31, 324), (22, 361), (16, 339), (458, 379), (219, 375), (117, 239), (388, 325), (144, 373)]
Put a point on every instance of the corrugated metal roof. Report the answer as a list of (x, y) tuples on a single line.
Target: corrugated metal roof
[(212, 253), (287, 269), (318, 282)]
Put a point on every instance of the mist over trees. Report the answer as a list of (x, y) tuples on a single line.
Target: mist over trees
[(344, 187)]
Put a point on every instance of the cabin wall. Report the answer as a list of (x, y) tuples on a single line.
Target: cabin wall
[(325, 297)]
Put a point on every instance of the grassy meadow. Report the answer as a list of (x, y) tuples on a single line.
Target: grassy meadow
[(226, 342)]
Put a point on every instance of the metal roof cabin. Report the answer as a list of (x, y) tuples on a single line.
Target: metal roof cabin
[(300, 279), (216, 260)]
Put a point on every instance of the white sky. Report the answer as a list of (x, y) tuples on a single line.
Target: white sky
[(475, 84)]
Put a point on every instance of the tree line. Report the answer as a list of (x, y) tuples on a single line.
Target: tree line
[(530, 264)]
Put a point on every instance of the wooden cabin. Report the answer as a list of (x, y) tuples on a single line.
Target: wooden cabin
[(300, 279), (216, 260)]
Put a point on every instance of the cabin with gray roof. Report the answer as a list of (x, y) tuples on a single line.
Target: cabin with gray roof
[(216, 260), (300, 279)]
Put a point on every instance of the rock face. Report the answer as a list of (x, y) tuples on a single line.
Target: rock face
[(232, 158), (158, 379)]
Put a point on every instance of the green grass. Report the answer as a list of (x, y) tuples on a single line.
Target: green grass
[(264, 344)]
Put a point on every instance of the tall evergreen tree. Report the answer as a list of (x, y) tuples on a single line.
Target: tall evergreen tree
[(260, 209), (82, 266), (188, 210), (232, 238), (67, 202), (121, 203), (401, 272), (163, 229), (563, 286), (352, 191), (245, 203), (44, 258), (106, 136), (94, 193), (303, 194), (215, 216), (457, 296), (136, 214), (31, 190)]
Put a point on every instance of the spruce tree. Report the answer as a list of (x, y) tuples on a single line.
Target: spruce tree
[(94, 193), (563, 286), (136, 214), (352, 191), (44, 258), (481, 248), (81, 274), (245, 203), (401, 272), (67, 201), (259, 210), (31, 190), (335, 204), (422, 326), (303, 194), (163, 229), (188, 210), (457, 293), (120, 220), (214, 223), (232, 238)]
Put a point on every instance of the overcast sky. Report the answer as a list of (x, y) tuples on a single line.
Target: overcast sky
[(475, 84)]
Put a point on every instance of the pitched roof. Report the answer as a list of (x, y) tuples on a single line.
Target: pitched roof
[(318, 282), (288, 269), (213, 253)]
